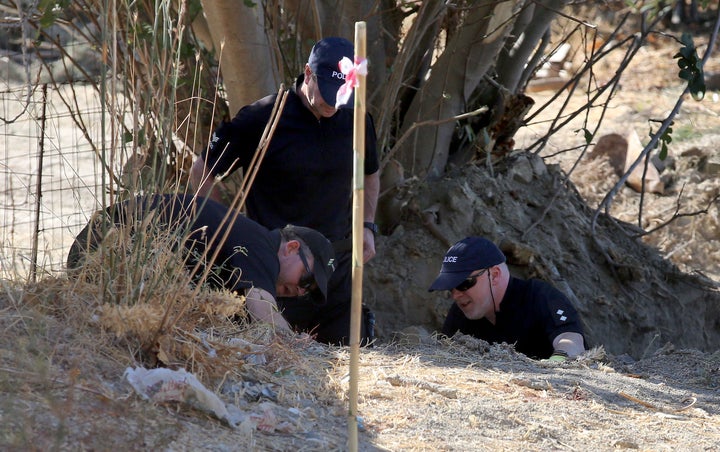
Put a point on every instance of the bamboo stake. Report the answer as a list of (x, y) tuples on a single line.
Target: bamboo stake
[(235, 207), (357, 237)]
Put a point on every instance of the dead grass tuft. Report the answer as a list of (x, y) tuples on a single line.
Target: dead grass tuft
[(71, 341), (132, 296)]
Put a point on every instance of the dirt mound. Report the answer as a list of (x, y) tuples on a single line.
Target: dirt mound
[(631, 299), (645, 275)]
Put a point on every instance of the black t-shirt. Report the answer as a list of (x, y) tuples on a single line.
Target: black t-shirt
[(247, 258), (306, 175), (531, 315)]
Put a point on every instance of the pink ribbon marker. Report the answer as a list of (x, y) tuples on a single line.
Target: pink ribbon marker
[(351, 72)]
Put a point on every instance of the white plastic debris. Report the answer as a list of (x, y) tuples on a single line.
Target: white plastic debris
[(254, 354), (167, 385)]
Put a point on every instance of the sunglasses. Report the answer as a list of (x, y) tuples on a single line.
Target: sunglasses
[(307, 281), (469, 282)]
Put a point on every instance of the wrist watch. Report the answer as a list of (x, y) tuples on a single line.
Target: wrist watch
[(559, 356), (372, 226)]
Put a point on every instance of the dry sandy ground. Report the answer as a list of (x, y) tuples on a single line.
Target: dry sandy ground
[(63, 389)]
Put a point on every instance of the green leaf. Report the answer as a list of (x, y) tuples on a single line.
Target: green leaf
[(691, 66), (127, 137), (698, 95), (697, 87), (50, 13), (687, 52), (687, 39)]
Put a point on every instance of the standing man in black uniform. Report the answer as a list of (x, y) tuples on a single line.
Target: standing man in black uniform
[(253, 261), (305, 178), (492, 305)]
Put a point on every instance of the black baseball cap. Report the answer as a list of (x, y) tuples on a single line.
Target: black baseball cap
[(324, 61), (323, 255), (463, 258)]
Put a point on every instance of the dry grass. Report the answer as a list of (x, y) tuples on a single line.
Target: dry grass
[(64, 353), (67, 341)]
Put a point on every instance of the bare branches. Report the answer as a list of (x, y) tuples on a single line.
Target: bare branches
[(677, 213), (607, 200), (431, 122)]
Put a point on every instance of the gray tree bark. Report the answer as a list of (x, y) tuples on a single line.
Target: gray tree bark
[(456, 73), (246, 64), (523, 43)]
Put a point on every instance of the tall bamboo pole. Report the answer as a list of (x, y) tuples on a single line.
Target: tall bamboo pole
[(357, 237)]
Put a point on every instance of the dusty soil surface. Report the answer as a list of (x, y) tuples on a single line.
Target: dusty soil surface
[(64, 388), (651, 381)]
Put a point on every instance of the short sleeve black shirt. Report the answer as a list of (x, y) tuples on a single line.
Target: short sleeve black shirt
[(532, 313), (248, 258), (305, 177)]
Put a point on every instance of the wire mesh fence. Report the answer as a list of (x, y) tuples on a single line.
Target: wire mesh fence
[(97, 102), (51, 176)]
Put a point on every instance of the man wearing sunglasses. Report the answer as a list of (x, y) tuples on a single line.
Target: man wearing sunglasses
[(497, 307), (261, 264)]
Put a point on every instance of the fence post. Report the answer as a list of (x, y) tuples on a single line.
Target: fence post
[(38, 188)]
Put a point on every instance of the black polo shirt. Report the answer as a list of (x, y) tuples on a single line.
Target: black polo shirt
[(306, 176), (532, 314), (248, 258)]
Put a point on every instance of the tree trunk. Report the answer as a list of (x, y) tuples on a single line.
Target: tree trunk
[(456, 73), (409, 68), (246, 63), (527, 32)]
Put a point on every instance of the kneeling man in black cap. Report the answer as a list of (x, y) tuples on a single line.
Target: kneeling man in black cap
[(495, 306), (243, 256)]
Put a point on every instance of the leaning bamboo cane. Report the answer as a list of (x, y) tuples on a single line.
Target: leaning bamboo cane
[(357, 237), (239, 201), (235, 208)]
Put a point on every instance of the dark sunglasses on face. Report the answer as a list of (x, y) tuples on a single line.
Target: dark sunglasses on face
[(307, 280), (469, 282)]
